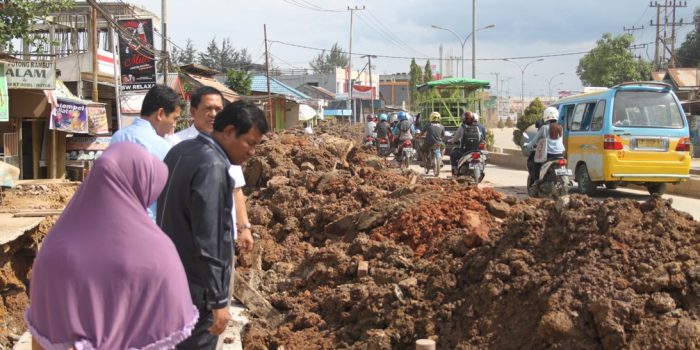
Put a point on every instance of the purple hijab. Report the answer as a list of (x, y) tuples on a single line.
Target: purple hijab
[(106, 277)]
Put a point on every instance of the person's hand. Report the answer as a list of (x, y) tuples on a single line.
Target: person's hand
[(221, 318), (245, 240)]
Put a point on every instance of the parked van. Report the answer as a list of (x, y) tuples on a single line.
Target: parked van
[(631, 133)]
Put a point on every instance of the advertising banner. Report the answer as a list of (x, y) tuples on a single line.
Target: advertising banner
[(86, 148), (362, 92), (97, 120), (4, 98), (138, 70), (70, 117), (39, 75)]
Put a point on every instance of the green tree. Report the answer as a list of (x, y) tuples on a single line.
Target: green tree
[(532, 113), (611, 63), (181, 57), (239, 81), (326, 63), (20, 16), (688, 55), (415, 79), (224, 57), (509, 122), (427, 72)]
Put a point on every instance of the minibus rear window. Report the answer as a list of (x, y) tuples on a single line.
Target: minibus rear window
[(646, 109)]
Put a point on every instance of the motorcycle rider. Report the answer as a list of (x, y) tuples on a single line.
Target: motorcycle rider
[(383, 128), (403, 131), (433, 135), (470, 135), (370, 126), (553, 133)]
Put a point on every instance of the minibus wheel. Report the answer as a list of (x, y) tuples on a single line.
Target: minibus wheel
[(656, 187), (585, 184)]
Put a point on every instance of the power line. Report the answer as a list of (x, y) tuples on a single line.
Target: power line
[(437, 58), (387, 37)]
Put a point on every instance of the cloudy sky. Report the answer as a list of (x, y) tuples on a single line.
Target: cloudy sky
[(556, 30)]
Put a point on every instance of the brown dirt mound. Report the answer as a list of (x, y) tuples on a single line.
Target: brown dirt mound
[(18, 255), (461, 265)]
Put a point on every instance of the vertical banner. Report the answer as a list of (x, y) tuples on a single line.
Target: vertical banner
[(138, 70), (97, 120), (4, 98)]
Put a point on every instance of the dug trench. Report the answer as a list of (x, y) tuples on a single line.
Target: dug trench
[(354, 253)]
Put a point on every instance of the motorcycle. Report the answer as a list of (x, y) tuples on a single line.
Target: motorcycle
[(383, 147), (553, 179), (406, 153), (370, 141), (433, 160), (473, 164)]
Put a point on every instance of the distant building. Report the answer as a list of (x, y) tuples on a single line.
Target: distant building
[(394, 89)]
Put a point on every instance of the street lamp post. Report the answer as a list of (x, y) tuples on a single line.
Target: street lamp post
[(549, 83), (463, 42), (522, 81)]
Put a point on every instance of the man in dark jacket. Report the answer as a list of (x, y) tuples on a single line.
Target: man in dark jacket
[(195, 211)]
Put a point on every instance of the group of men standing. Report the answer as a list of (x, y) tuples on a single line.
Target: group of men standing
[(202, 208)]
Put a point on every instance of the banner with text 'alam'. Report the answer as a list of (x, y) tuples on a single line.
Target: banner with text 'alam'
[(138, 67)]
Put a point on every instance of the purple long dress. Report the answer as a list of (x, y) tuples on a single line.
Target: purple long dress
[(106, 277)]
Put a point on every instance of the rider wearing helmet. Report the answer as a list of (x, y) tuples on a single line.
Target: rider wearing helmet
[(433, 135), (383, 128), (403, 131), (469, 135), (553, 133)]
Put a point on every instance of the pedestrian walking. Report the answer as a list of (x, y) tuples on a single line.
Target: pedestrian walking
[(106, 277)]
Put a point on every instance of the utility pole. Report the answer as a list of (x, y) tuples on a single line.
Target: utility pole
[(164, 18), (371, 89), (267, 75), (632, 30), (349, 73), (664, 42), (473, 42), (93, 41)]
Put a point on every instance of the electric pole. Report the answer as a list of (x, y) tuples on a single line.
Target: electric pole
[(349, 73), (371, 89), (164, 18), (267, 75), (665, 42)]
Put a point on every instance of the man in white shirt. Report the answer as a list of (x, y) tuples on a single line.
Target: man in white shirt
[(205, 103)]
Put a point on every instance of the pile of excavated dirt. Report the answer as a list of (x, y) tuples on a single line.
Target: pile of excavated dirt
[(18, 254), (358, 255)]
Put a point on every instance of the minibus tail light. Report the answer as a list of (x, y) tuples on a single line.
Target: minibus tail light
[(683, 145), (612, 142)]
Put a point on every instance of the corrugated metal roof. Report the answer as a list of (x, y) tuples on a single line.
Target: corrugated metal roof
[(259, 84), (229, 95), (685, 77)]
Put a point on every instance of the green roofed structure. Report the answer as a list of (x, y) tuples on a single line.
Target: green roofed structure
[(452, 96)]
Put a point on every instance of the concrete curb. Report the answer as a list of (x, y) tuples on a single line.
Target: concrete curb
[(515, 160)]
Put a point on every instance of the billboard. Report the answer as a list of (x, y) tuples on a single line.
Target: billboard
[(40, 75), (138, 69)]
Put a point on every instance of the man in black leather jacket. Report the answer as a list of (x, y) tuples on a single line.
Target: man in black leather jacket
[(194, 210)]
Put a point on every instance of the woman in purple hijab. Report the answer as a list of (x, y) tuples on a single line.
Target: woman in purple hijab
[(106, 277)]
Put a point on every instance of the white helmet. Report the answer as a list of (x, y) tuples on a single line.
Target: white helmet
[(476, 117), (550, 113)]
